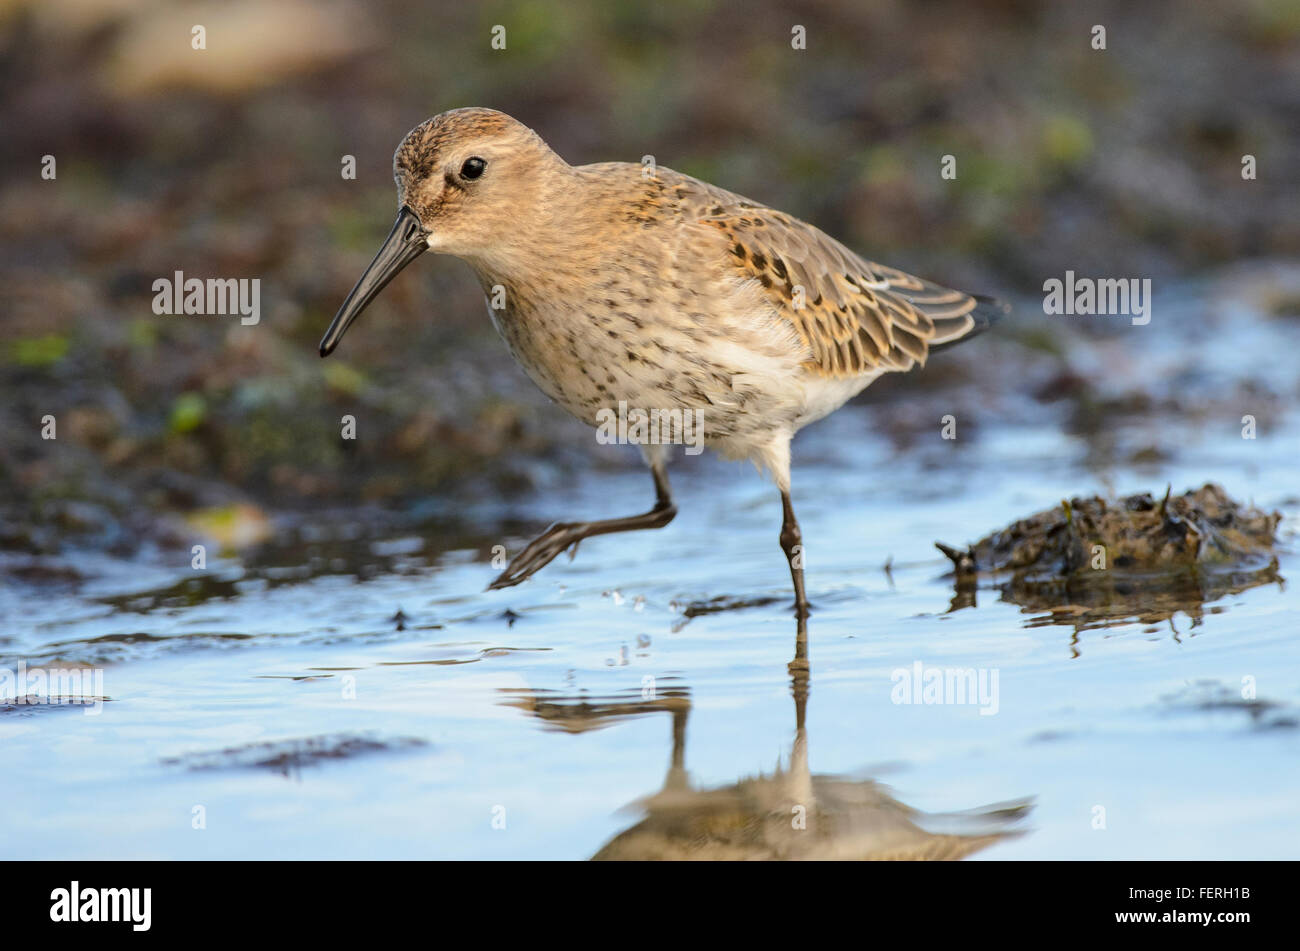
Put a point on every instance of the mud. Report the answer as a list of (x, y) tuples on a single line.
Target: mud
[(1098, 559)]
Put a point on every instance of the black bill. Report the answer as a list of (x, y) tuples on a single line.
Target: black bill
[(402, 246)]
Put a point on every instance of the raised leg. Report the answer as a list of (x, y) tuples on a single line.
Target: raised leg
[(542, 549), (792, 545)]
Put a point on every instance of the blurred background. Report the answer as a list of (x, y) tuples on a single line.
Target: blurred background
[(226, 163), (341, 614)]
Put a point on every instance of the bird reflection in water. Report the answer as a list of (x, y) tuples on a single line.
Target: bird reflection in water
[(789, 814)]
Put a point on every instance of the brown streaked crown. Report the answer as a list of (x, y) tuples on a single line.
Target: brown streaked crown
[(421, 151)]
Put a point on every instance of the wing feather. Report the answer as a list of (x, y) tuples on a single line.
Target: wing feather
[(854, 315)]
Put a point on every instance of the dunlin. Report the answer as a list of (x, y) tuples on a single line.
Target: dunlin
[(618, 283)]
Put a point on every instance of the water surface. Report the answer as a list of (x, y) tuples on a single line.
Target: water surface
[(351, 692)]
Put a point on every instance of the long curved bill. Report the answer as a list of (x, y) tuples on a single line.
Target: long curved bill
[(404, 244)]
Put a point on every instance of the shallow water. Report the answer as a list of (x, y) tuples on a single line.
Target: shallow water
[(284, 699)]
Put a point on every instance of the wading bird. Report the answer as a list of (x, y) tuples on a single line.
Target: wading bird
[(618, 282)]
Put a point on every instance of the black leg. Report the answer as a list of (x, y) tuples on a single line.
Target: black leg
[(542, 549), (800, 670), (792, 545)]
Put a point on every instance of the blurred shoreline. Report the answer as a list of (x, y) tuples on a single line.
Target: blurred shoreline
[(225, 162)]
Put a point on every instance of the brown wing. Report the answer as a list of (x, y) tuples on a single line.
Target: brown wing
[(855, 316)]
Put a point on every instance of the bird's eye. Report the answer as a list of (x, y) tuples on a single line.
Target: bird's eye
[(473, 167)]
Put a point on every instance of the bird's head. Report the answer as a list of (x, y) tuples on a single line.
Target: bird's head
[(465, 179)]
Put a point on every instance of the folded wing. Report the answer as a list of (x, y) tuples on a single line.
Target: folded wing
[(854, 315)]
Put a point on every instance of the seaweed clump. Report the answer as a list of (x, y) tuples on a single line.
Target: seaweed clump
[(1095, 558)]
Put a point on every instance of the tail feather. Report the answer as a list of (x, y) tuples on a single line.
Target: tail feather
[(987, 312)]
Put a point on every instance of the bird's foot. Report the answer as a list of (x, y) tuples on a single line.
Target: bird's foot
[(541, 551)]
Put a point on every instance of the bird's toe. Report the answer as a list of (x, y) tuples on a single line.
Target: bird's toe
[(541, 551)]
